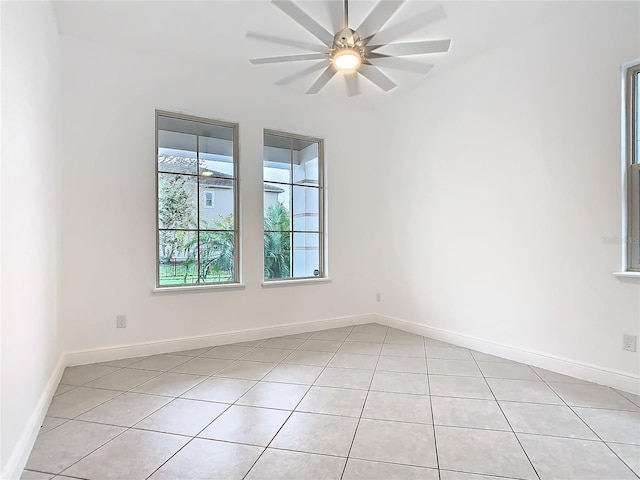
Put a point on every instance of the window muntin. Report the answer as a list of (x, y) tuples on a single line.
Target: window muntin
[(633, 167), (293, 207), (197, 201)]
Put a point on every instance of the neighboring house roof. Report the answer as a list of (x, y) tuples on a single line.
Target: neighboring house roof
[(272, 188), (212, 178)]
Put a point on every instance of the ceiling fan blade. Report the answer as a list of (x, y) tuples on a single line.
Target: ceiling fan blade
[(289, 58), (304, 20), (322, 80), (422, 20), (301, 74), (377, 77), (380, 15), (414, 48), (398, 63), (285, 41), (353, 84)]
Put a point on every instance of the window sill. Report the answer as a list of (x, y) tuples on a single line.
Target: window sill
[(198, 288), (627, 275), (289, 283)]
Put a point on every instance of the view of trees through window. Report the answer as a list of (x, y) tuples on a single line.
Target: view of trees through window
[(197, 204), (292, 169), (197, 238)]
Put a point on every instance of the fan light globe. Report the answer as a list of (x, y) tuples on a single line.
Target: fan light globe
[(347, 59)]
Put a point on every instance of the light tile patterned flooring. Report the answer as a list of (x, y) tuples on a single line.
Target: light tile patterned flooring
[(366, 402)]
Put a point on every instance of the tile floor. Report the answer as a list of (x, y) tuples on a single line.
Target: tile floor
[(366, 402)]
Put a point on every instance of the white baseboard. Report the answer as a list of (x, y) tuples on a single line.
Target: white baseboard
[(119, 352), (592, 373), (20, 454), (15, 465), (584, 371)]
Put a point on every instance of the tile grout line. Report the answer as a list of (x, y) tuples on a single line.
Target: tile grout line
[(355, 432), (433, 419), (299, 402), (91, 452), (191, 439), (234, 403), (66, 420), (587, 425), (228, 405), (591, 384), (211, 375), (479, 474), (134, 427), (117, 369), (594, 432), (506, 419), (126, 429), (221, 413), (276, 364), (76, 418), (620, 392)]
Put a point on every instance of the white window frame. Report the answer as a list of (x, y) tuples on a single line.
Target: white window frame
[(236, 280), (631, 170), (322, 225)]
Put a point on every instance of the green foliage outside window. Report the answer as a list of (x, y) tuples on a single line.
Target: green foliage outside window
[(176, 211), (180, 249), (277, 242)]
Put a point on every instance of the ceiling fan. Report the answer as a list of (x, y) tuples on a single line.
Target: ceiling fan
[(355, 52)]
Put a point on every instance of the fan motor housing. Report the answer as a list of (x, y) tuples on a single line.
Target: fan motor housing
[(348, 38)]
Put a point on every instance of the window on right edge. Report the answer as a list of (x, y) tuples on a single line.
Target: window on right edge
[(293, 207), (632, 107)]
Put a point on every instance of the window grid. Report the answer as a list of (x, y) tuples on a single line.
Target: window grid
[(198, 230), (633, 168), (320, 192)]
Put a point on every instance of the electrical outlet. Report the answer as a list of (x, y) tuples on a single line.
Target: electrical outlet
[(630, 342), (121, 321), (378, 297)]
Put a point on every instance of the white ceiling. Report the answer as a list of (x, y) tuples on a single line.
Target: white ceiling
[(211, 34)]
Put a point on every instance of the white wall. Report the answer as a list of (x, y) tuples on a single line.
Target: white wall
[(108, 200), (509, 169), (30, 117), (507, 166)]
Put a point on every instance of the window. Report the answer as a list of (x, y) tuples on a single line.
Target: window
[(632, 166), (197, 237), (208, 200), (293, 207)]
